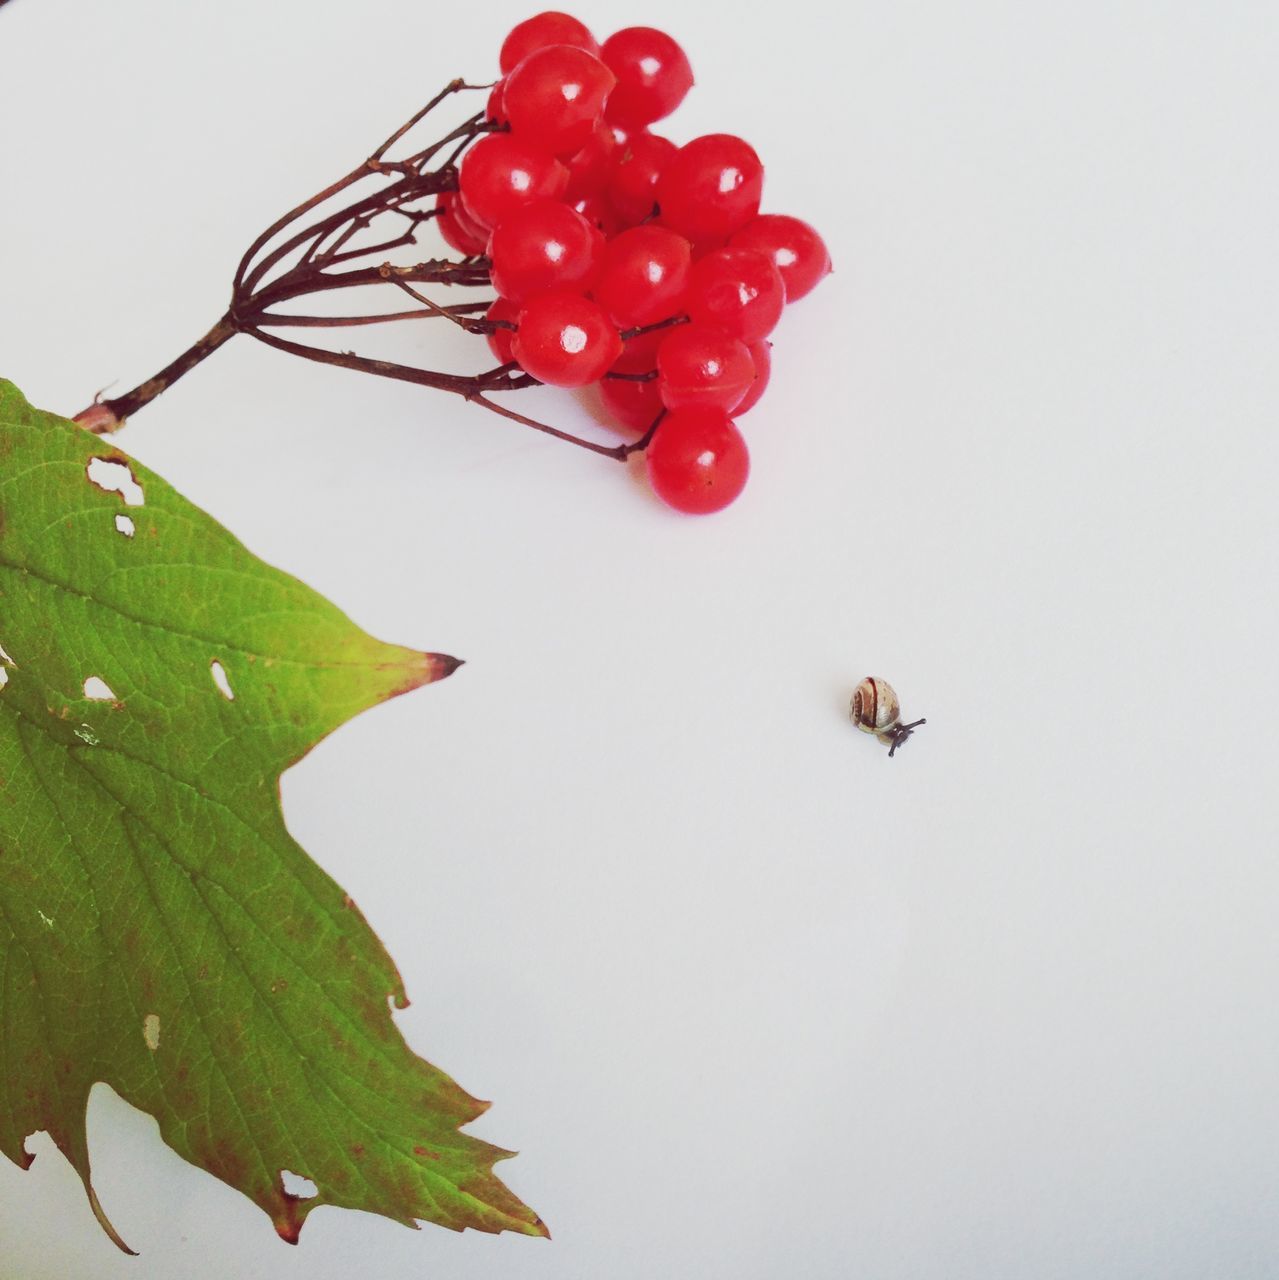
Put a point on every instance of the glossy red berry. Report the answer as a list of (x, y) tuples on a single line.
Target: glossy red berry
[(653, 75), (762, 359), (632, 182), (632, 404), (700, 248), (639, 354), (556, 96), (589, 168), (738, 289), (697, 460), (799, 253), (495, 107), (459, 232), (599, 213), (500, 339), (565, 340), (702, 365), (500, 173), (545, 245), (544, 29), (711, 187), (643, 276)]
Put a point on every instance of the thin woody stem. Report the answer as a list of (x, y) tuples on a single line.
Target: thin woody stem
[(434, 308), (292, 216), (669, 323), (369, 166), (277, 320), (469, 388), (386, 200), (299, 255), (453, 86), (459, 314), (638, 446), (435, 271), (618, 452), (456, 383), (109, 415)]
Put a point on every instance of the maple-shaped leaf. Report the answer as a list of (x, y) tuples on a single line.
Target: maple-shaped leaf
[(159, 928)]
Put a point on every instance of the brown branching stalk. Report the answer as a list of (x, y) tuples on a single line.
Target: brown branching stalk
[(309, 252)]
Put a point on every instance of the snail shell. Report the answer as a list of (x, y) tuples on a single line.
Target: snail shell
[(875, 708)]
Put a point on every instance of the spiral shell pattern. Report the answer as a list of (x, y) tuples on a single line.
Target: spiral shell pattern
[(875, 708)]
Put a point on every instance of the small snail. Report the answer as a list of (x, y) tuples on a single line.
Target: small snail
[(875, 709)]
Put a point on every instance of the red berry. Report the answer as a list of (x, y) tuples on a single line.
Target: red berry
[(544, 245), (495, 107), (634, 404), (702, 365), (643, 276), (738, 289), (700, 248), (540, 31), (632, 184), (762, 359), (556, 96), (639, 354), (500, 173), (697, 460), (588, 170), (500, 339), (711, 187), (798, 251), (652, 73), (565, 340), (459, 232), (599, 213)]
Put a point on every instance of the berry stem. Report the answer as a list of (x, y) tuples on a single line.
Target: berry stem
[(104, 416), (310, 252), (471, 389), (276, 320), (447, 313), (456, 383), (669, 323), (609, 451), (453, 86)]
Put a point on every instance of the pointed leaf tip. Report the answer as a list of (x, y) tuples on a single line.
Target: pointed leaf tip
[(440, 665)]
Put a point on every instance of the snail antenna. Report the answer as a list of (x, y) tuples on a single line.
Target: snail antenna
[(901, 733)]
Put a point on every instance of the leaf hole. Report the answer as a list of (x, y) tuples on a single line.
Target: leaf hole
[(112, 475), (218, 671), (125, 526), (97, 689), (297, 1186), (151, 1031), (4, 677)]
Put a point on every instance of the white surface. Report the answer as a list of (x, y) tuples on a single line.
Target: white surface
[(752, 1000)]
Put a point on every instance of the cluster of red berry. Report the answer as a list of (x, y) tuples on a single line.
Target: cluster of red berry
[(624, 260)]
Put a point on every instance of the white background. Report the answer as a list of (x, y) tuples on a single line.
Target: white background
[(752, 1000)]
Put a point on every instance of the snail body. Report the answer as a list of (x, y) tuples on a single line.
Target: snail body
[(875, 708)]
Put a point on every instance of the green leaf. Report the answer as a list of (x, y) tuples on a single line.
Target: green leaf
[(159, 929)]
